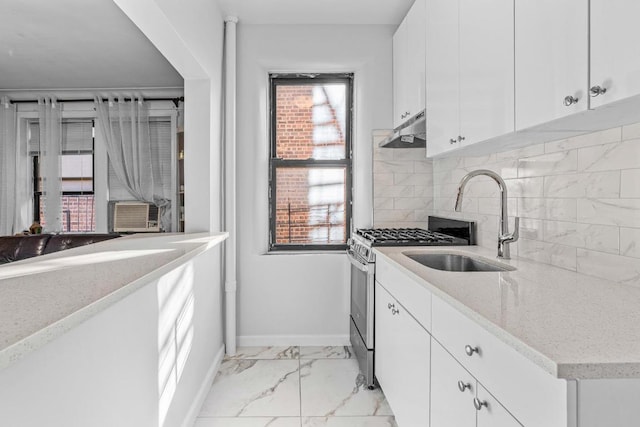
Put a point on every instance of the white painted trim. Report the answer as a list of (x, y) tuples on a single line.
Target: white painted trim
[(291, 340), (230, 188), (201, 395)]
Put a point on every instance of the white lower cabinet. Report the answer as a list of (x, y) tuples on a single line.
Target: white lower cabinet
[(402, 360), (457, 399), (440, 368), (452, 391), (490, 412)]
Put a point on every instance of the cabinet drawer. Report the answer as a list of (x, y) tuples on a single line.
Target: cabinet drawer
[(510, 377), (413, 296)]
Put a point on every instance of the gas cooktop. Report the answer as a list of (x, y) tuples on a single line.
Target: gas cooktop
[(407, 237)]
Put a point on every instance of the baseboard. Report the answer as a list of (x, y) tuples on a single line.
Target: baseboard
[(291, 340), (198, 400)]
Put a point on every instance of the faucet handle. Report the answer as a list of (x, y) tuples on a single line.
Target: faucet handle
[(513, 236)]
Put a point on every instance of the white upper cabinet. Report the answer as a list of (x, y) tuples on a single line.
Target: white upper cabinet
[(416, 61), (442, 75), (615, 50), (470, 72), (551, 60), (408, 65), (486, 69), (400, 56)]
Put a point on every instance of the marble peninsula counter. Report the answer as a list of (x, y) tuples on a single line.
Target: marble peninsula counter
[(42, 298), (573, 326)]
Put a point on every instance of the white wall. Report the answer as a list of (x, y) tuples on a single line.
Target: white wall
[(124, 367), (297, 299)]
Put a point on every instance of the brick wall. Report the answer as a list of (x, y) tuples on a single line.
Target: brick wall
[(294, 136), (294, 122), (78, 213)]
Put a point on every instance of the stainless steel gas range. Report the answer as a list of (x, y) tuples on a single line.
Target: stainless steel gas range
[(441, 232)]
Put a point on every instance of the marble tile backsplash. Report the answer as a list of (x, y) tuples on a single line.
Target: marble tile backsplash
[(402, 185), (578, 200)]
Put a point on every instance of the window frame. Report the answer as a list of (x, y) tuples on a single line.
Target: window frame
[(35, 164), (275, 163)]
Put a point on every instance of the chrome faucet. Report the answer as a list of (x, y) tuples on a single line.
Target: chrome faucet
[(504, 237)]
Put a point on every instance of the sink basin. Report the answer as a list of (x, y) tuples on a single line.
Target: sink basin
[(455, 262)]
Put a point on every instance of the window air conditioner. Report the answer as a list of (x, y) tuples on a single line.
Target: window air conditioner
[(136, 217)]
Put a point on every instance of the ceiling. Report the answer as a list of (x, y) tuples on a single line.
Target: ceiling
[(72, 44), (91, 44), (388, 12)]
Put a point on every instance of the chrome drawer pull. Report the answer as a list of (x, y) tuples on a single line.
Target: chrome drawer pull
[(391, 306), (395, 311), (570, 100), (470, 350), (462, 386), (479, 403)]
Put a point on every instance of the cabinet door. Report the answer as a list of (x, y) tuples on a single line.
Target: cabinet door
[(493, 414), (415, 62), (400, 55), (402, 360), (442, 76), (450, 406), (486, 69), (615, 49), (552, 59)]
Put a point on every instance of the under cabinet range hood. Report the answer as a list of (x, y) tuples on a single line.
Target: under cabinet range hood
[(412, 134)]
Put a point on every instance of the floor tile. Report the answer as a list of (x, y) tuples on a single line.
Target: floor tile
[(349, 422), (268, 353), (248, 422), (261, 388), (329, 352), (336, 388)]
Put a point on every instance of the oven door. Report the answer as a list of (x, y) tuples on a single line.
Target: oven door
[(362, 305)]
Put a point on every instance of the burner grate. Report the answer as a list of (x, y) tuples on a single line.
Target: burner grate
[(406, 236)]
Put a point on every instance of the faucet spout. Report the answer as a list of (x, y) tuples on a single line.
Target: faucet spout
[(504, 237)]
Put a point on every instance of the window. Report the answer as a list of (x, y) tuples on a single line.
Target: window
[(160, 131), (310, 161), (76, 169)]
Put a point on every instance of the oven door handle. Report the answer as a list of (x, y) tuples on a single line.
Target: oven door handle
[(357, 263)]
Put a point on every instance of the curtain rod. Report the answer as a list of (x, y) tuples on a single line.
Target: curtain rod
[(176, 101)]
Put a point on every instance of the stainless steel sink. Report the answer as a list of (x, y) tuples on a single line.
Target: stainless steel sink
[(455, 262)]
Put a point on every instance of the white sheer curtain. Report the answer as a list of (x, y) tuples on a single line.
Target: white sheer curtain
[(7, 167), (125, 128), (50, 118)]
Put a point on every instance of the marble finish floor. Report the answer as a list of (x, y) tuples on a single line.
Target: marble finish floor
[(293, 387)]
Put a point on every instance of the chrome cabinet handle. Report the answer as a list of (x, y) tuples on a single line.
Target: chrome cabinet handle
[(395, 311), (570, 100), (391, 306), (461, 138), (597, 90), (479, 403), (462, 386), (470, 350), (453, 141)]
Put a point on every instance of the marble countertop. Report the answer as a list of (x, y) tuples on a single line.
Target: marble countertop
[(43, 297), (573, 326)]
